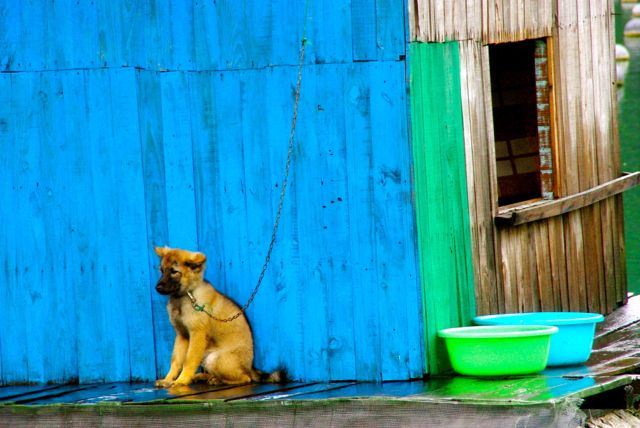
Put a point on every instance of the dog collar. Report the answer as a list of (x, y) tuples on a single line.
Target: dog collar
[(193, 299), (195, 305)]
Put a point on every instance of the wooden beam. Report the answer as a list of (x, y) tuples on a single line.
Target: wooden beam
[(544, 209)]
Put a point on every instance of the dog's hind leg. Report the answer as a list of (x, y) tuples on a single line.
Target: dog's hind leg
[(226, 368), (201, 377)]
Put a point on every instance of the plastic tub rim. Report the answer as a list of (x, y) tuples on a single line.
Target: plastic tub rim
[(554, 318), (497, 332)]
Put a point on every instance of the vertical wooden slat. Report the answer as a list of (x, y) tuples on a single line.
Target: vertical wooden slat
[(20, 289), (363, 25), (474, 84), (94, 323), (310, 156), (398, 322), (390, 34), (557, 250), (443, 224), (259, 172), (178, 159), (133, 300), (59, 206), (335, 218), (544, 280), (359, 201), (510, 269), (288, 291), (206, 44)]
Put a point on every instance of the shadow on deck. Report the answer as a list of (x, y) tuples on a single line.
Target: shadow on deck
[(555, 397)]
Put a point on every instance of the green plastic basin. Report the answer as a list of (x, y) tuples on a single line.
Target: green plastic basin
[(498, 350)]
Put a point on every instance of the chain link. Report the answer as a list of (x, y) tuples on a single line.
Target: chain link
[(276, 224)]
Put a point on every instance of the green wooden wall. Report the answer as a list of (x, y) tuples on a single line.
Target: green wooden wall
[(442, 212)]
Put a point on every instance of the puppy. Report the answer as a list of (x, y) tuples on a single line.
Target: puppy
[(223, 349)]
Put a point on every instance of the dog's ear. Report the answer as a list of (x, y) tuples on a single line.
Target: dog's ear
[(196, 261), (161, 251)]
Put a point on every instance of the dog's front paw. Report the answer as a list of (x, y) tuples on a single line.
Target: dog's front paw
[(164, 383), (182, 381)]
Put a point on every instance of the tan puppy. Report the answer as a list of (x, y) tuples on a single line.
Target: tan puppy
[(223, 349)]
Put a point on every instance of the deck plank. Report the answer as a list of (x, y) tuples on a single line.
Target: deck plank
[(62, 394), (9, 393), (365, 389), (231, 393), (615, 357), (303, 392)]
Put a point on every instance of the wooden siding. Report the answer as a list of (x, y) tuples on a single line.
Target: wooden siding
[(440, 193), (480, 172), (575, 260), (128, 124), (486, 21)]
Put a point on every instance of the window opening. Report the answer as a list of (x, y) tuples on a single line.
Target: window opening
[(520, 92)]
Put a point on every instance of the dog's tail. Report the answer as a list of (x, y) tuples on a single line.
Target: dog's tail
[(279, 376)]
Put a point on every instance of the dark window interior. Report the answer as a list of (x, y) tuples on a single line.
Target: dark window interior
[(515, 121)]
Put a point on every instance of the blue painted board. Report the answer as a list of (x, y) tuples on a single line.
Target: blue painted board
[(307, 218), (394, 226), (360, 204), (10, 36), (131, 280), (288, 289), (13, 349), (363, 24), (391, 30), (153, 173), (105, 160), (196, 35), (178, 159)]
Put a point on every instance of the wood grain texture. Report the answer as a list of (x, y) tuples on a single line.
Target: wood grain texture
[(486, 21), (569, 254), (441, 198), (131, 124), (196, 35)]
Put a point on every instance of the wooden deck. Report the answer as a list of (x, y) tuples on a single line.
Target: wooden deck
[(554, 396)]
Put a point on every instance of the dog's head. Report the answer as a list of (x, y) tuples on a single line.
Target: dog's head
[(180, 269)]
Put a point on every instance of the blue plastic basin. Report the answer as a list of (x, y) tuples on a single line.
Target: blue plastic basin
[(574, 340)]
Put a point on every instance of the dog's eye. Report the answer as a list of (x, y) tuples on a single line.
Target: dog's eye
[(174, 272)]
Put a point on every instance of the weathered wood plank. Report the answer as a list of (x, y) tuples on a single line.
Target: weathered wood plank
[(363, 26), (336, 198), (129, 217), (18, 233), (148, 96), (441, 189), (393, 230), (178, 159), (288, 292), (558, 262), (361, 202), (314, 128), (546, 209), (544, 283), (486, 21), (474, 86)]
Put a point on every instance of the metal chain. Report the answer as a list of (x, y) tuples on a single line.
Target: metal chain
[(276, 224)]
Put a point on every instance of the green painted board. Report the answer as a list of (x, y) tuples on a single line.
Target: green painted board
[(442, 212)]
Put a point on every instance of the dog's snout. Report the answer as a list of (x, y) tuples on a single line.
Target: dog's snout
[(165, 286)]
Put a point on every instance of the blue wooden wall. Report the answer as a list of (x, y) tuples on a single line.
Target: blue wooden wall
[(126, 124)]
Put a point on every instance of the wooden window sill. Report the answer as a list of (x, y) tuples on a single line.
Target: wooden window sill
[(541, 209)]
